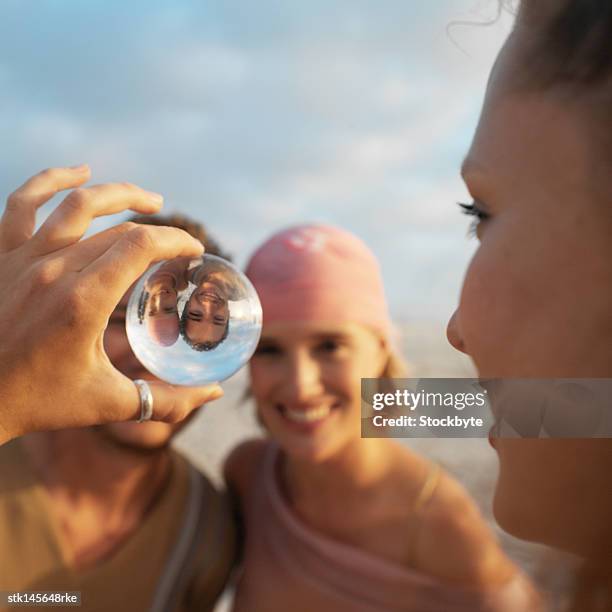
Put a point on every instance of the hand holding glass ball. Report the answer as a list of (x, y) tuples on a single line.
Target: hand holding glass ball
[(194, 321)]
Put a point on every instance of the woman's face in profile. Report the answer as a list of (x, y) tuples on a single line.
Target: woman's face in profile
[(537, 296)]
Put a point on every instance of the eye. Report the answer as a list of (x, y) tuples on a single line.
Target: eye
[(329, 346), (476, 210), (267, 349)]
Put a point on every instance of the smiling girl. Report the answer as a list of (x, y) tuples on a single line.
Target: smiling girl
[(335, 521)]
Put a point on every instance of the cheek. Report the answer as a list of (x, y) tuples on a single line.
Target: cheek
[(528, 306), (152, 434), (343, 379), (494, 311), (479, 318), (263, 378)]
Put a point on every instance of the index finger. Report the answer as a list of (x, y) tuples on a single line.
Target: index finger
[(71, 219), (19, 218), (110, 275)]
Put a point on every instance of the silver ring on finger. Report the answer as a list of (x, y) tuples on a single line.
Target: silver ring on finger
[(146, 400)]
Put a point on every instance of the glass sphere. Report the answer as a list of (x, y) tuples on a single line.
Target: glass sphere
[(193, 321)]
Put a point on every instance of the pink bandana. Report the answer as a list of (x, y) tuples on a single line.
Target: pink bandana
[(319, 273)]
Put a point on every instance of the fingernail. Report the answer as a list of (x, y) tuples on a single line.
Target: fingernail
[(216, 394), (156, 198), (80, 168)]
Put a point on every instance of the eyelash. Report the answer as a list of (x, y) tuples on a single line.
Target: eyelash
[(329, 346), (266, 350), (473, 210)]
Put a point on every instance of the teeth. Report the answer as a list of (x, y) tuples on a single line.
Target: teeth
[(307, 416)]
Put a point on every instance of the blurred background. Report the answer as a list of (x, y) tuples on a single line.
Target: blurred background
[(250, 116), (254, 115)]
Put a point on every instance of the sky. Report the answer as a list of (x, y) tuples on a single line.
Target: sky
[(252, 116)]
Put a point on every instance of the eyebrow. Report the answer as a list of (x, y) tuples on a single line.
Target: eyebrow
[(316, 337), (336, 336), (321, 336)]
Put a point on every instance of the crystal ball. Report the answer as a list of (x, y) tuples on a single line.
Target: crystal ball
[(193, 321)]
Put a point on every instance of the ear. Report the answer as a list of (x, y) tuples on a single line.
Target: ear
[(384, 355)]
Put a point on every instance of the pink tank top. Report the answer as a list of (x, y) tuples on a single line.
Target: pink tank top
[(289, 567)]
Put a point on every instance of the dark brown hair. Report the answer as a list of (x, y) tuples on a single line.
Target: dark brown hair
[(574, 39), (571, 40), (568, 48)]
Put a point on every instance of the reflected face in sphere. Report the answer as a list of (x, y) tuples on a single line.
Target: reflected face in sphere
[(537, 297), (194, 321), (306, 381)]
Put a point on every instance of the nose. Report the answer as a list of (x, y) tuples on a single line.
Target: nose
[(303, 379), (453, 333)]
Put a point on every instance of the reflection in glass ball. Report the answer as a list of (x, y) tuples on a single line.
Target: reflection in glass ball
[(193, 321)]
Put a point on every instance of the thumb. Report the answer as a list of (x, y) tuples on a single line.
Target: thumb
[(171, 403)]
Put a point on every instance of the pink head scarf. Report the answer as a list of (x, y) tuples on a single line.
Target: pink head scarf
[(319, 273)]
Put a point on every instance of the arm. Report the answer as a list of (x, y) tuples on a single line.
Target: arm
[(455, 544), (58, 292)]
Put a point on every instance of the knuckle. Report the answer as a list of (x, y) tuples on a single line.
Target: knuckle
[(176, 412), (74, 307), (15, 201), (44, 274), (48, 173), (124, 228), (79, 200), (127, 185), (140, 238), (178, 415)]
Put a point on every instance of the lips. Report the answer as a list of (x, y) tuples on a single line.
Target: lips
[(307, 417), (492, 437)]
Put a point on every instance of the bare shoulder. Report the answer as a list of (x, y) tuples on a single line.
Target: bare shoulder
[(242, 463), (455, 542)]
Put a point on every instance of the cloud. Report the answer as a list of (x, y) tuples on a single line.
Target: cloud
[(252, 116)]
